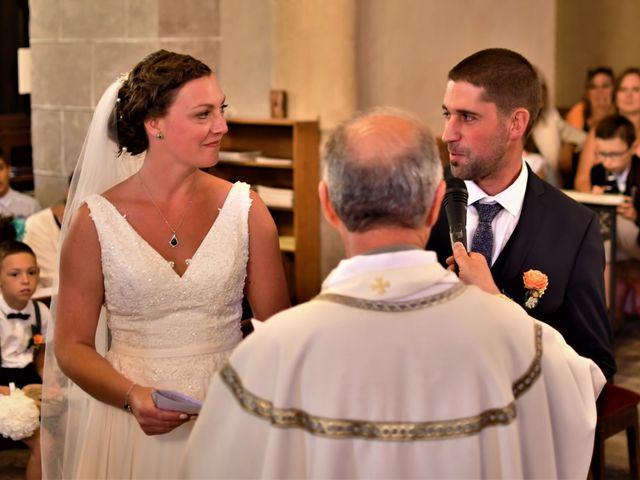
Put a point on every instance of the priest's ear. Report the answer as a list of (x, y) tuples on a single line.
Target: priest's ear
[(327, 208)]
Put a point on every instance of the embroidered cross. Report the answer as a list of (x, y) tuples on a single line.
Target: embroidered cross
[(380, 285)]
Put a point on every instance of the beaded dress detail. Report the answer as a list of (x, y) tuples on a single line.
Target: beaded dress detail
[(167, 331)]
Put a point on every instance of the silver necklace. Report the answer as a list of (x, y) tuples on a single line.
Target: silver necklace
[(173, 241)]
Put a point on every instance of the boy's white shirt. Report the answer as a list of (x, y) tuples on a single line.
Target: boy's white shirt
[(15, 334)]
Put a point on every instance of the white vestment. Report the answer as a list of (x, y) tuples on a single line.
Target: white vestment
[(400, 371)]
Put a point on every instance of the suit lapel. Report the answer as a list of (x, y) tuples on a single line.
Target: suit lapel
[(509, 263)]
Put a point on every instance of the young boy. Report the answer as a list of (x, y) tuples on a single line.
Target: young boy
[(23, 325), (619, 172)]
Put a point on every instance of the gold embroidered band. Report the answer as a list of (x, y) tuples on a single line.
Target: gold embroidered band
[(523, 383), (387, 431), (341, 428), (390, 307)]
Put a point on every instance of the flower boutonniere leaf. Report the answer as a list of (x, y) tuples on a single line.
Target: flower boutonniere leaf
[(37, 340), (535, 283)]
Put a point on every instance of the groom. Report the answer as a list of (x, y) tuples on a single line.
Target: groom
[(491, 101)]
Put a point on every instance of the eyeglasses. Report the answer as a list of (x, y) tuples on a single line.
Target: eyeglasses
[(611, 154)]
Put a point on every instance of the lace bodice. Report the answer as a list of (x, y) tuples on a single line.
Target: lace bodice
[(158, 321)]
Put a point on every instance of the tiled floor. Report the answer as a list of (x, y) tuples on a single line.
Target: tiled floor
[(12, 462)]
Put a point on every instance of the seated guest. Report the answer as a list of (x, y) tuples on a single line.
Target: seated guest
[(550, 132), (396, 369), (23, 325), (13, 203), (627, 101), (596, 104), (619, 172), (42, 234)]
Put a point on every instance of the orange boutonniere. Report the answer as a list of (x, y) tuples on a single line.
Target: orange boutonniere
[(37, 340), (535, 282)]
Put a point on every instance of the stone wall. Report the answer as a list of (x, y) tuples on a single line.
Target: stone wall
[(79, 47)]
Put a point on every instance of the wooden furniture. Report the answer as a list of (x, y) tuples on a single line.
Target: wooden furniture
[(617, 412), (15, 144), (298, 224), (605, 207)]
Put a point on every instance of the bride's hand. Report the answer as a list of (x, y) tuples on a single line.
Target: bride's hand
[(153, 420)]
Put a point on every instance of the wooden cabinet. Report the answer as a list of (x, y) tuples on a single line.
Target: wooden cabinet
[(257, 146), (15, 148)]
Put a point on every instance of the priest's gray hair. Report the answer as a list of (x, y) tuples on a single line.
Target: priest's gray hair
[(390, 185)]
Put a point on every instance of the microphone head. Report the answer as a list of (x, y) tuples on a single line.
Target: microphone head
[(455, 206), (456, 192)]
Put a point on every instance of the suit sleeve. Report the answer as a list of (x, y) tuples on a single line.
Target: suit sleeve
[(439, 240), (589, 326)]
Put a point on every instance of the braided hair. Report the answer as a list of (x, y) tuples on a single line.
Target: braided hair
[(148, 92)]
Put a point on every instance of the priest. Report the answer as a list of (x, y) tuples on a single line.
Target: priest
[(397, 369)]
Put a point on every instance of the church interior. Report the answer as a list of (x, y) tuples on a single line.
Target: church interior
[(292, 71)]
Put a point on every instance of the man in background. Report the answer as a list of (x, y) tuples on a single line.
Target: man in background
[(13, 203), (396, 369)]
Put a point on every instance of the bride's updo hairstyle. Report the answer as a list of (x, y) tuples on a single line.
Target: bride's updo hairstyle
[(148, 92)]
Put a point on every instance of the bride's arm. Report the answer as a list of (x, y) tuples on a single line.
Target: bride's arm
[(79, 302), (265, 287)]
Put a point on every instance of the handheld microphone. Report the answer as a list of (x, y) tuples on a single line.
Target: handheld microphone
[(455, 206)]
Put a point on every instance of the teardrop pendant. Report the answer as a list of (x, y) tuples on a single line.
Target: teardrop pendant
[(174, 241)]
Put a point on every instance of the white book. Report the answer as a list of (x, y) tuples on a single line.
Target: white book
[(172, 400), (276, 197), (274, 161)]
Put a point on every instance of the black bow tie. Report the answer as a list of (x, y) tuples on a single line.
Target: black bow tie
[(18, 315)]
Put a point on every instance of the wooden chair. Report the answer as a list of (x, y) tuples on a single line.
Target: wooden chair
[(617, 412)]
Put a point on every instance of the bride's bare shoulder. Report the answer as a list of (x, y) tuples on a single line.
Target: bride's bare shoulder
[(215, 188)]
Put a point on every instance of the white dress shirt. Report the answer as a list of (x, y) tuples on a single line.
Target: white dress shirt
[(506, 220), (15, 334), (18, 204)]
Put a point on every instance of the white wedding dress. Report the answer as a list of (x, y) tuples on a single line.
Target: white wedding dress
[(167, 331)]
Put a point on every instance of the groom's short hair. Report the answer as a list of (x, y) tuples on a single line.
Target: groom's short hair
[(508, 79)]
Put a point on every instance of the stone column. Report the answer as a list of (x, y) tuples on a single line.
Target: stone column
[(313, 58), (79, 47)]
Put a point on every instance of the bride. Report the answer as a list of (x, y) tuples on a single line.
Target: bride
[(170, 252)]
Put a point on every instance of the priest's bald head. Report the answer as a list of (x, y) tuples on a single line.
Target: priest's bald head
[(382, 180)]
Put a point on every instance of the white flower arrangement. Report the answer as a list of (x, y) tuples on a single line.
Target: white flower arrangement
[(19, 415)]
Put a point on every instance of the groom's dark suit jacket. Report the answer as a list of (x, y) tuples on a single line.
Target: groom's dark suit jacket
[(561, 238)]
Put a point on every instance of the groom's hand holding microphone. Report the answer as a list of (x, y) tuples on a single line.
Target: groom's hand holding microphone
[(471, 267)]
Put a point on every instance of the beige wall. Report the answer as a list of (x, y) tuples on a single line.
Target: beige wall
[(592, 33), (406, 47), (304, 47), (78, 47), (245, 56), (332, 56)]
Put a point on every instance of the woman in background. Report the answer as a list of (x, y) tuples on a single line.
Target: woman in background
[(596, 104), (170, 252), (627, 101)]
